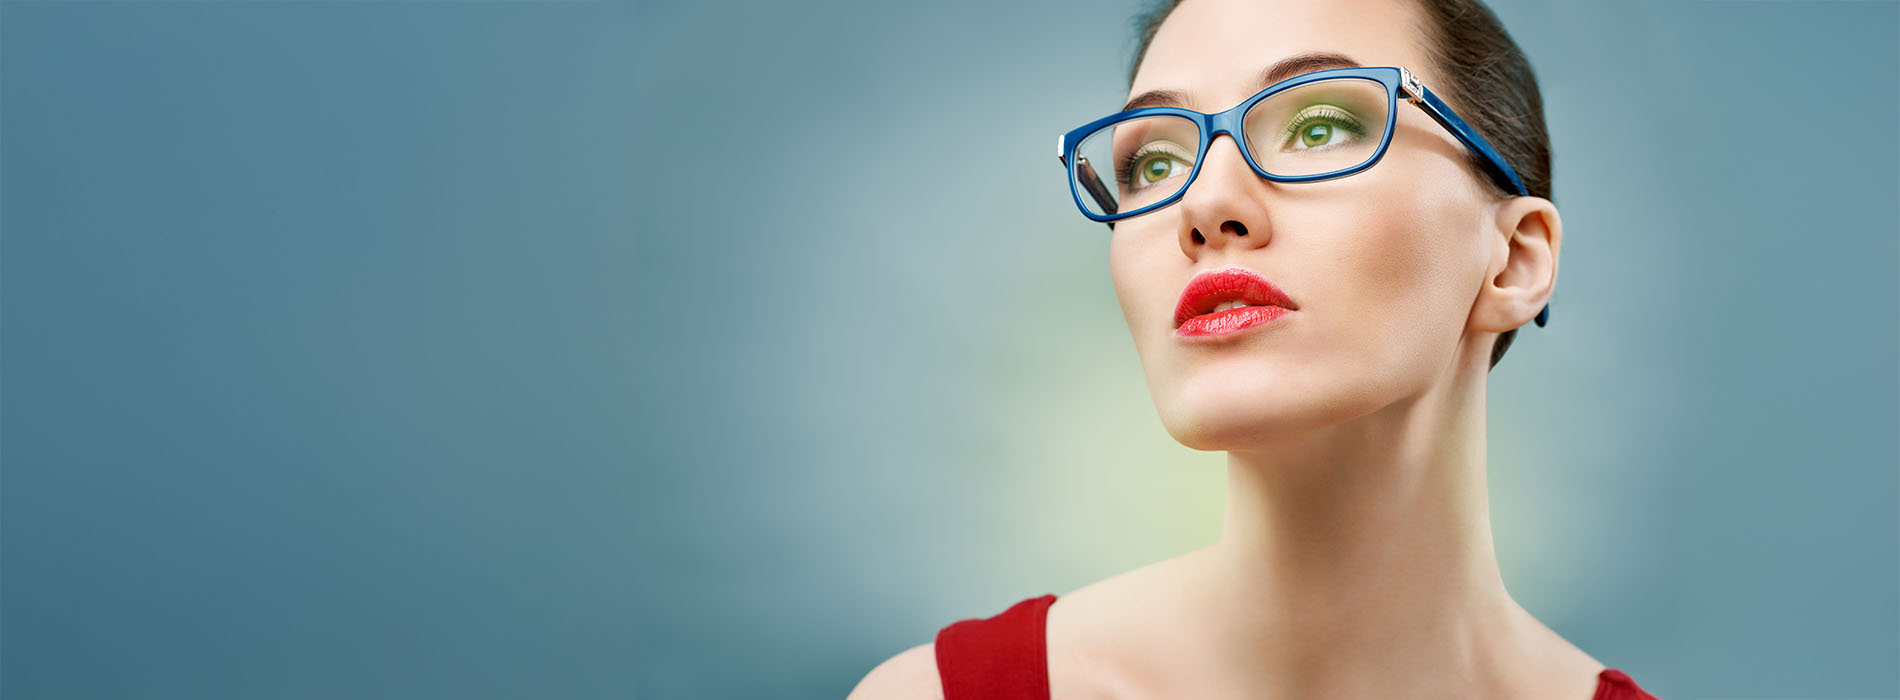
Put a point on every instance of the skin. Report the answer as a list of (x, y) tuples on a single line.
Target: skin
[(1356, 556)]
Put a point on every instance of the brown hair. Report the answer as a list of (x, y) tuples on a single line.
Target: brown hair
[(1479, 71)]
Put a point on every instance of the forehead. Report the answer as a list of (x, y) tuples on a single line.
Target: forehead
[(1213, 50)]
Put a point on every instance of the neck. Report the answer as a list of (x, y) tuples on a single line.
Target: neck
[(1360, 554)]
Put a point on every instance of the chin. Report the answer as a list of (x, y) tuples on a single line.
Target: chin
[(1224, 409), (1215, 433)]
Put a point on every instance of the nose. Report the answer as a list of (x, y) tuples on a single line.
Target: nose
[(1225, 207)]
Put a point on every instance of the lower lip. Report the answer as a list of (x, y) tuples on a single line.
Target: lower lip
[(1230, 321)]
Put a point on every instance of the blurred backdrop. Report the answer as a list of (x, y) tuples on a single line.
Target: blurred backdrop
[(506, 349)]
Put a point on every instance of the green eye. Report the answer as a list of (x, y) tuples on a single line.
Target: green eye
[(1157, 169), (1316, 135), (1156, 161), (1323, 126)]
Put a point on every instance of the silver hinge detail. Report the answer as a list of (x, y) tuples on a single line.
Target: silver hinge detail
[(1412, 86), (1062, 148)]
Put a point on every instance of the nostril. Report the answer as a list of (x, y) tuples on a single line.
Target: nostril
[(1234, 227), (1198, 238)]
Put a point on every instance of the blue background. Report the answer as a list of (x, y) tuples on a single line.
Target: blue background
[(725, 349)]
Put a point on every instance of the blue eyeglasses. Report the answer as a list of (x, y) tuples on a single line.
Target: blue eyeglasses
[(1318, 126)]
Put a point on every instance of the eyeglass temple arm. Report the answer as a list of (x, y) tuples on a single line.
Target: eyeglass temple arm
[(1091, 182), (1500, 171), (1097, 191)]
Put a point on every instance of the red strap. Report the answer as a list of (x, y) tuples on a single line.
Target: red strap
[(1613, 684), (1002, 657)]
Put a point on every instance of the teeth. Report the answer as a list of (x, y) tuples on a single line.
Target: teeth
[(1225, 305)]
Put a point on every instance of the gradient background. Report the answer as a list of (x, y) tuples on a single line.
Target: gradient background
[(725, 349)]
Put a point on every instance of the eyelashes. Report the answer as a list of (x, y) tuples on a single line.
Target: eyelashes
[(1125, 170)]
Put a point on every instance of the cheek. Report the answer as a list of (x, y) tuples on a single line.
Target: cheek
[(1139, 279), (1144, 264), (1403, 277), (1121, 272)]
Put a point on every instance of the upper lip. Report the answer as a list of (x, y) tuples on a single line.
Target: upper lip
[(1209, 289)]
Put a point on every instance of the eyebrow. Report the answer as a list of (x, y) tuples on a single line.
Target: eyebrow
[(1288, 67)]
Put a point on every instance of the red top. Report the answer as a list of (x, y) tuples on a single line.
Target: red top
[(1003, 658)]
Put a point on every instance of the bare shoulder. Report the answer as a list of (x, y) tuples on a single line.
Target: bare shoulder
[(1111, 638), (910, 675)]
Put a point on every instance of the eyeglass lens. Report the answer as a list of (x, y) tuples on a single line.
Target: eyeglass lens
[(1317, 128)]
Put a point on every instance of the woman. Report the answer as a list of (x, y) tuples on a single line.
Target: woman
[(1330, 325)]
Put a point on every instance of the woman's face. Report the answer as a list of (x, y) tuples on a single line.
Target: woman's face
[(1383, 266)]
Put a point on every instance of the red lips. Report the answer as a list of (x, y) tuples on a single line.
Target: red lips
[(1265, 302)]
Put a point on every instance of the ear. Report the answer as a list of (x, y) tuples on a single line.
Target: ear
[(1523, 269)]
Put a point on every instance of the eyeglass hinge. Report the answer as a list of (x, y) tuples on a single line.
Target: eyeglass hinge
[(1062, 148), (1415, 90)]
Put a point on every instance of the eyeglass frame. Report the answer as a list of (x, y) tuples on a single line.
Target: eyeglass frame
[(1396, 80)]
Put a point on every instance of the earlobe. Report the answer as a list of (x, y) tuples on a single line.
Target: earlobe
[(1524, 272)]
